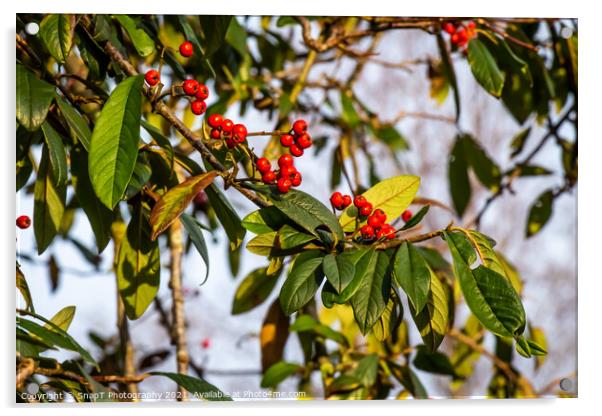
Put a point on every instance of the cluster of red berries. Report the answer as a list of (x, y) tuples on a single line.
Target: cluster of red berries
[(286, 177), (23, 222), (297, 140), (460, 33), (376, 223), (198, 93), (340, 201), (233, 134)]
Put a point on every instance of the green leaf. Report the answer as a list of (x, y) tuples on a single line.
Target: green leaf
[(264, 244), (199, 388), (411, 272), (339, 271), (307, 212), (518, 141), (114, 142), (56, 152), (483, 246), (366, 370), (483, 166), (49, 204), (141, 175), (305, 323), (302, 282), (99, 216), (56, 33), (360, 260), (76, 122), (24, 289), (459, 184), (408, 378), (433, 362), (236, 36), (391, 136), (142, 42), (533, 170), (253, 291), (33, 98), (370, 299), (484, 68), (193, 228), (489, 295), (434, 259), (510, 272), (174, 201), (278, 372), (343, 383), (539, 213), (349, 114), (227, 216), (464, 247), (290, 238), (393, 196), (264, 220), (416, 218), (214, 28), (138, 265), (433, 320), (390, 320), (448, 67), (161, 140)]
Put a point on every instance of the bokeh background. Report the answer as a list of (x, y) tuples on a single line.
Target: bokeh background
[(547, 262)]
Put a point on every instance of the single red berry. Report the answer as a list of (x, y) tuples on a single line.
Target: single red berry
[(449, 28), (455, 38), (336, 199), (296, 150), (407, 214), (239, 130), (304, 141), (227, 125), (285, 160), (296, 179), (215, 120), (359, 201), (388, 231), (206, 343), (287, 171), (152, 77), (381, 214), (268, 177), (300, 127), (346, 201), (367, 232), (186, 49), (263, 165), (215, 134), (230, 143), (286, 140), (379, 233), (203, 92), (201, 200), (23, 222), (375, 220), (198, 107), (190, 87), (462, 35), (366, 209), (471, 25), (284, 185)]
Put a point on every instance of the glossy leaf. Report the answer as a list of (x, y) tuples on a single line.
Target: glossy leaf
[(49, 204), (56, 33), (339, 271), (142, 42), (539, 213), (227, 216), (174, 201), (253, 291), (138, 266), (416, 218), (33, 98), (195, 233), (56, 153), (302, 282), (459, 184), (290, 238), (76, 122), (199, 388), (484, 68), (114, 142), (264, 220), (392, 195), (411, 272), (140, 177)]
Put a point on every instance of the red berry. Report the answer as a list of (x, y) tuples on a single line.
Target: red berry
[(23, 222), (152, 77), (300, 127), (367, 232), (215, 134), (337, 200), (263, 165), (375, 220), (366, 209), (215, 120), (186, 49), (379, 233), (346, 201), (288, 171), (286, 140), (449, 28), (284, 184), (304, 141), (285, 160), (471, 25), (227, 125), (198, 107), (203, 92), (359, 201), (296, 179), (388, 231), (206, 343), (407, 214), (455, 38), (268, 177), (230, 143), (190, 87), (381, 214), (239, 130), (296, 150)]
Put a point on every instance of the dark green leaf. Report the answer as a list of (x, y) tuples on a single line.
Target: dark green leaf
[(483, 166), (24, 289), (409, 380), (339, 271), (518, 142), (142, 42), (199, 388), (56, 153), (290, 238), (416, 218), (459, 184), (214, 28), (76, 122), (264, 220), (253, 291), (236, 36), (56, 32), (484, 68), (539, 213), (277, 373), (302, 282), (195, 233), (433, 362), (227, 216), (533, 170), (33, 98), (411, 272), (141, 175)]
